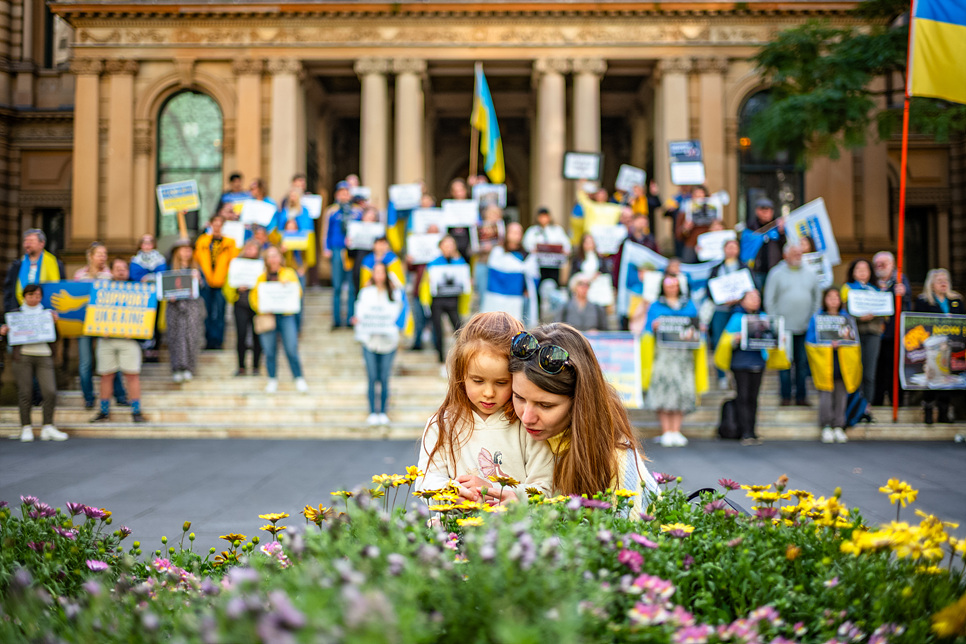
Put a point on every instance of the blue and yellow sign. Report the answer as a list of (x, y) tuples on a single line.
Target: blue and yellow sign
[(121, 310), (69, 300)]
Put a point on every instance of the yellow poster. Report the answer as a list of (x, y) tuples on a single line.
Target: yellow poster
[(121, 310)]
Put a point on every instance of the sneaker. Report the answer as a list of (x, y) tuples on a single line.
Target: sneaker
[(27, 434), (124, 402), (666, 440), (187, 375), (51, 433), (680, 440), (177, 376), (828, 436), (301, 386), (239, 373), (138, 417), (272, 386), (383, 419), (723, 382), (750, 440), (101, 417), (840, 436), (372, 420), (88, 404)]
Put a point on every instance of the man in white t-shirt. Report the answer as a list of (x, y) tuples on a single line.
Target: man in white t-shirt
[(550, 242)]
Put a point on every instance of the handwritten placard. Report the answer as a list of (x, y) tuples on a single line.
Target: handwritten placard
[(243, 273), (582, 166), (608, 239), (361, 235), (628, 176), (30, 328), (279, 297), (177, 285), (375, 318), (179, 196), (731, 287), (255, 211), (313, 203), (710, 245), (462, 213), (863, 302), (422, 248), (406, 196), (424, 218)]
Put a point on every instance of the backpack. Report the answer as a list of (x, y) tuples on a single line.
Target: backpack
[(728, 427)]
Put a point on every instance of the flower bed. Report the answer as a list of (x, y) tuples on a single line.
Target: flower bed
[(799, 569)]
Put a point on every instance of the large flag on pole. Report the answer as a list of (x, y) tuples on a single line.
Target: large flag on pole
[(484, 120), (937, 50)]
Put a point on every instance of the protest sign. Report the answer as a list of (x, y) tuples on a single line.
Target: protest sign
[(313, 203), (460, 213), (449, 280), (583, 166), (406, 196), (731, 287), (619, 355), (180, 196), (295, 240), (636, 256), (811, 220), (423, 218), (608, 239), (69, 300), (762, 332), (490, 234), (234, 230), (933, 351), (279, 297), (361, 192), (819, 264), (628, 176), (687, 165), (678, 332), (375, 318), (177, 285), (255, 211), (361, 235), (121, 310), (243, 273), (550, 255), (862, 302), (30, 328), (485, 194), (710, 247), (422, 248), (835, 328)]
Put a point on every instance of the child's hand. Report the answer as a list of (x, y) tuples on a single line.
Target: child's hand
[(493, 496), (471, 485)]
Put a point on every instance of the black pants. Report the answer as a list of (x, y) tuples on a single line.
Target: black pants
[(441, 306), (884, 372), (245, 321), (747, 384)]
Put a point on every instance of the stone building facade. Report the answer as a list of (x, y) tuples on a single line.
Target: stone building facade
[(102, 100)]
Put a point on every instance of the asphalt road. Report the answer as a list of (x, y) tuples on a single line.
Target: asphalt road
[(154, 486)]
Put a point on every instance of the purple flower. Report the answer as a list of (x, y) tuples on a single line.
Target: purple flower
[(831, 583), (67, 534), (125, 532), (693, 634), (631, 558), (766, 513), (3, 504), (97, 566), (29, 500), (38, 546), (687, 562), (642, 541), (728, 484), (646, 517), (663, 478), (714, 506), (594, 503), (75, 508), (42, 511), (94, 513)]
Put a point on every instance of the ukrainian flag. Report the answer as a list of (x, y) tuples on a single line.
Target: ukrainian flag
[(484, 120), (937, 49)]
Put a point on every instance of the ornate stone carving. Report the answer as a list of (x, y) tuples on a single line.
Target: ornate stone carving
[(365, 66), (284, 66), (121, 66), (714, 65), (551, 66), (675, 66), (409, 66), (143, 141), (247, 66), (185, 68), (80, 66), (595, 66)]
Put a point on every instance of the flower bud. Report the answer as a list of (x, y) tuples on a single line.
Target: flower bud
[(255, 540), (212, 550), (136, 544), (164, 540), (191, 537), (109, 520), (171, 550), (157, 553), (186, 526)]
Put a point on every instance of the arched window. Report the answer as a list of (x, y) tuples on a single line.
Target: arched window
[(777, 177), (189, 147)]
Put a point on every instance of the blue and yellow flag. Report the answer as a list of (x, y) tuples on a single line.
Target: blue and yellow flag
[(937, 49), (484, 120)]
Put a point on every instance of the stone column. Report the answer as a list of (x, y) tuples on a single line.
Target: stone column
[(120, 151), (410, 116), (672, 123), (711, 120), (873, 222), (287, 137), (374, 135), (144, 211), (248, 127), (85, 180), (587, 74), (551, 187)]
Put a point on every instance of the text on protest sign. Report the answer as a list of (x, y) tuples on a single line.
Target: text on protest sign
[(608, 239), (486, 194), (255, 211), (628, 176), (582, 166), (406, 196), (811, 220), (678, 332), (731, 287), (819, 264), (933, 351), (234, 230), (313, 203), (361, 235), (550, 255), (835, 328), (423, 218), (687, 163), (180, 196), (762, 332), (460, 213), (243, 273), (30, 328), (376, 318), (121, 310), (449, 280), (177, 285), (422, 248), (862, 302), (279, 297), (619, 355), (710, 247)]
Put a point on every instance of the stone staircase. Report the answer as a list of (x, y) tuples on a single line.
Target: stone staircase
[(218, 405)]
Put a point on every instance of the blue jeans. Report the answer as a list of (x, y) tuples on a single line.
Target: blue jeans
[(215, 322), (799, 366), (718, 323), (284, 325), (298, 316), (340, 278), (85, 354), (379, 367)]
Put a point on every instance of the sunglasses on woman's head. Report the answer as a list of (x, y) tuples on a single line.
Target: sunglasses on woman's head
[(550, 358)]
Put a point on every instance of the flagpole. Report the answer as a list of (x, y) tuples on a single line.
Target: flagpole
[(474, 133)]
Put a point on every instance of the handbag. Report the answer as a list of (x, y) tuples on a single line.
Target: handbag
[(264, 322)]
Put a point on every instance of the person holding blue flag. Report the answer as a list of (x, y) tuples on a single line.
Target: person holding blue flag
[(763, 241), (35, 267)]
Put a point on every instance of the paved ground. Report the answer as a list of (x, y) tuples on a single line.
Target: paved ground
[(153, 486)]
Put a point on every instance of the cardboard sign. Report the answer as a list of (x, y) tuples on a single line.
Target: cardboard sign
[(619, 355), (121, 310), (687, 165), (376, 318), (69, 300), (933, 351), (279, 297), (762, 332), (243, 273), (490, 234), (811, 220), (862, 302), (485, 194), (313, 203), (550, 255), (608, 238), (819, 264), (835, 328), (628, 176), (180, 196), (423, 218), (361, 235), (406, 196), (234, 230), (678, 332), (30, 328), (422, 248), (710, 247), (449, 280), (582, 166), (731, 287), (363, 192), (255, 211), (460, 213), (177, 285)]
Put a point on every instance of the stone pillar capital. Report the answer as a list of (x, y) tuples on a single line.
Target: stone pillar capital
[(92, 66), (543, 66), (714, 65), (674, 66), (247, 66), (121, 67), (409, 66), (366, 66), (284, 66), (595, 66)]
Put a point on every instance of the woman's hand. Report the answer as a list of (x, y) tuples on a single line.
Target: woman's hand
[(500, 496), (866, 318), (654, 325), (54, 315), (472, 484), (4, 329), (736, 339)]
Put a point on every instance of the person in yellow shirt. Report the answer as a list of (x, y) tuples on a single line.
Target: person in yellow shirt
[(283, 323), (214, 252)]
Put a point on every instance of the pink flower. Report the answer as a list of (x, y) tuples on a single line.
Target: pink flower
[(642, 541), (663, 478), (714, 506), (29, 500), (693, 634), (728, 484), (97, 566), (94, 513), (67, 534), (75, 508), (631, 558), (766, 513), (831, 583)]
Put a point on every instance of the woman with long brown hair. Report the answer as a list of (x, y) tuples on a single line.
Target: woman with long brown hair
[(561, 396)]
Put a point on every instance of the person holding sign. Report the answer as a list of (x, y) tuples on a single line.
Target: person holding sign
[(694, 219), (551, 244), (144, 265), (337, 219), (722, 311), (214, 253), (184, 318), (672, 377), (836, 363), (938, 297), (236, 294), (284, 323), (445, 289), (870, 327), (380, 314), (234, 192), (35, 361), (35, 267)]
